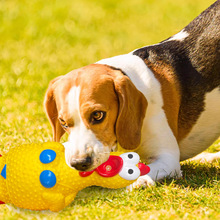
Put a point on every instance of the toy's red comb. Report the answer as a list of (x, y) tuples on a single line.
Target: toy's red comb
[(108, 169), (111, 167)]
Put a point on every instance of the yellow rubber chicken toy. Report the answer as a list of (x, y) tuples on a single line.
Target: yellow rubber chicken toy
[(37, 177)]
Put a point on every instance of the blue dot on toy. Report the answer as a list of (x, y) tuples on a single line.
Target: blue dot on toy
[(48, 179), (47, 156), (3, 173)]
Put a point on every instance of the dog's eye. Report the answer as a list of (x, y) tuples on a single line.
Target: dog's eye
[(63, 123), (97, 117)]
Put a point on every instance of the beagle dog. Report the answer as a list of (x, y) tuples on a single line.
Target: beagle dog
[(162, 101)]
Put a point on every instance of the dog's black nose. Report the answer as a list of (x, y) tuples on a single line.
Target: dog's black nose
[(81, 165)]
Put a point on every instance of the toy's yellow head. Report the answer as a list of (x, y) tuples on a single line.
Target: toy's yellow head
[(35, 175)]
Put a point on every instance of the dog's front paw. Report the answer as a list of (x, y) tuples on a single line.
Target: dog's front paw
[(142, 181)]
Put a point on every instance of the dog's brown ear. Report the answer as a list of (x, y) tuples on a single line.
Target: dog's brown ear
[(51, 111), (132, 108)]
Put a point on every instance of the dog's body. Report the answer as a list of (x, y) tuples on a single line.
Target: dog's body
[(161, 100)]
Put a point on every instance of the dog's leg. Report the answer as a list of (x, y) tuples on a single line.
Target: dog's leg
[(207, 157), (167, 165), (159, 145)]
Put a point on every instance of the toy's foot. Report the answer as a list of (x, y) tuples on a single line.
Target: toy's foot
[(142, 181)]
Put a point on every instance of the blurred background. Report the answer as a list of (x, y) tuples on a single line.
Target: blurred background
[(40, 40)]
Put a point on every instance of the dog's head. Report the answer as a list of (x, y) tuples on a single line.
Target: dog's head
[(97, 106)]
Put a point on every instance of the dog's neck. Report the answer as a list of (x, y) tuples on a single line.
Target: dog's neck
[(135, 68)]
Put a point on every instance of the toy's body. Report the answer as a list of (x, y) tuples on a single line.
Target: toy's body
[(37, 177)]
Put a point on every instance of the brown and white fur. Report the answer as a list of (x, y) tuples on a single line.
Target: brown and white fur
[(163, 101)]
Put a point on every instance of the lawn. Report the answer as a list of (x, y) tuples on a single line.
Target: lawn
[(40, 40)]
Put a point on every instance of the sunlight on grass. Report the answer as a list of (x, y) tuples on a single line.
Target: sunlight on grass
[(40, 40)]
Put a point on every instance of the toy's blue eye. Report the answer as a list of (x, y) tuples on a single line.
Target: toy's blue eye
[(47, 156), (48, 179), (3, 172)]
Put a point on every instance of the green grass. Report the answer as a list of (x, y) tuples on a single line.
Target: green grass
[(40, 40)]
